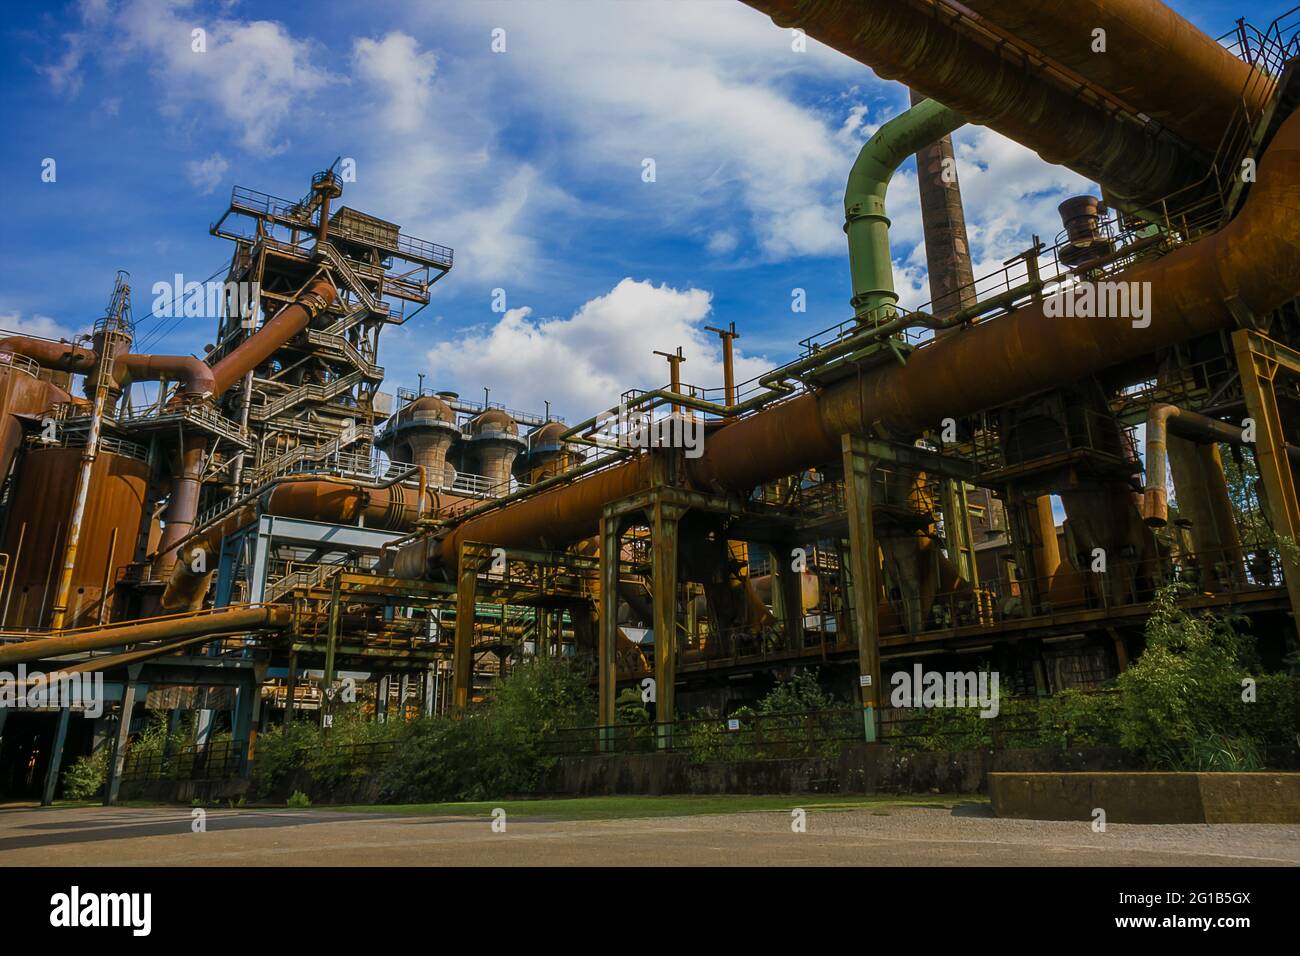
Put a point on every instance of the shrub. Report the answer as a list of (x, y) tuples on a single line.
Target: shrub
[(495, 748), (790, 720), (84, 780)]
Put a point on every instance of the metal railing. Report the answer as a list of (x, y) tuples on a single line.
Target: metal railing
[(744, 735), (220, 760), (21, 362)]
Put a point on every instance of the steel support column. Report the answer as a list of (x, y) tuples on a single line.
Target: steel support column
[(664, 522), (56, 757), (117, 760), (291, 687), (607, 663), (463, 652), (863, 573), (787, 594), (1259, 360), (957, 530)]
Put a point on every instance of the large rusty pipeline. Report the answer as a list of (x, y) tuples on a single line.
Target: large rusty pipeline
[(288, 322), (1250, 266), (388, 507), (991, 87), (1154, 61), (60, 356), (1254, 260), (235, 619), (556, 517)]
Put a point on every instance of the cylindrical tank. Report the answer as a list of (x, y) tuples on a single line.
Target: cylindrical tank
[(421, 433), (37, 528), (548, 454), (494, 444)]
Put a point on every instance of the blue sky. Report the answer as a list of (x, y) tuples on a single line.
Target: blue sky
[(528, 162)]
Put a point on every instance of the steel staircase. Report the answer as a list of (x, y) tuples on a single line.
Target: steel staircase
[(319, 394)]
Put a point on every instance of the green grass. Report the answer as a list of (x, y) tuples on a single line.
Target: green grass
[(634, 807)]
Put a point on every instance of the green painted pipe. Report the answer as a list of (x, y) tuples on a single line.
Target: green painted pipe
[(865, 222)]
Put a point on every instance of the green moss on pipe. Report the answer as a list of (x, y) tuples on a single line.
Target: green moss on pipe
[(865, 222)]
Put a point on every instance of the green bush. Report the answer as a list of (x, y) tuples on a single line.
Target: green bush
[(1186, 688), (298, 800), (793, 719), (332, 756), (496, 748), (85, 779)]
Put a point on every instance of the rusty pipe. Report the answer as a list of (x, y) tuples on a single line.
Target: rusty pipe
[(336, 500), (1250, 266), (183, 505), (186, 483), (60, 356), (196, 377), (1155, 62), (263, 617), (260, 346), (991, 87), (1164, 420), (1254, 260)]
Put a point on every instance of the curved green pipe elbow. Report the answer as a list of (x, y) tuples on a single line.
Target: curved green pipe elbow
[(865, 222)]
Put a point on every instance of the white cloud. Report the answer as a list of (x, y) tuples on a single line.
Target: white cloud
[(207, 174), (583, 363), (252, 72), (1010, 195), (41, 326), (64, 75), (703, 88), (395, 64), (722, 242)]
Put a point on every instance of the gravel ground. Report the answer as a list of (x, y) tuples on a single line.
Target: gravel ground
[(892, 836)]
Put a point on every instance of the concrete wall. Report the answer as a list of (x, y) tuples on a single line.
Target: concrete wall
[(1149, 797), (860, 769)]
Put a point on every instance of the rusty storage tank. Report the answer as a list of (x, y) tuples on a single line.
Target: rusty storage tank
[(494, 443), (26, 394), (36, 531), (421, 433)]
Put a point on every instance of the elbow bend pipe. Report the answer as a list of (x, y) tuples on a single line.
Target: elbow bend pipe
[(865, 222), (195, 376), (1164, 420)]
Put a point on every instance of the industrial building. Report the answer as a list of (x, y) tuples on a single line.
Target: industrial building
[(275, 521)]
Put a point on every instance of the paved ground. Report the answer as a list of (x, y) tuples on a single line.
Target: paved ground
[(895, 836)]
